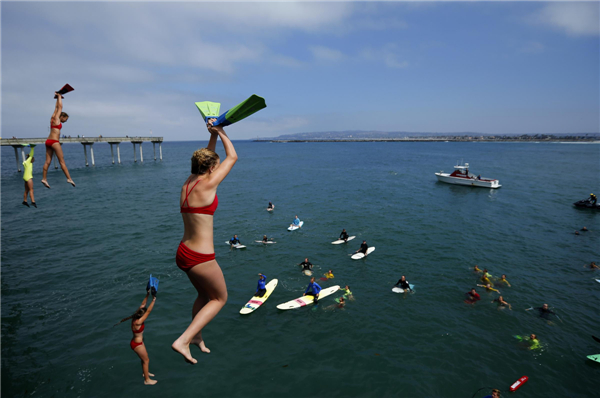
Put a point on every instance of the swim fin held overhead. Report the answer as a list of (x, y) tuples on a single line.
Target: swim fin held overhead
[(248, 107), (152, 285), (65, 89)]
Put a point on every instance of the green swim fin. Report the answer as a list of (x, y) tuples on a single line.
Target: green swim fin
[(245, 109), (209, 109)]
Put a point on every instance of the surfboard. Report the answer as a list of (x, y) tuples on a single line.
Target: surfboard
[(266, 243), (294, 227), (307, 272), (595, 358), (271, 209), (238, 246), (598, 280), (256, 302), (358, 256), (339, 241), (65, 89), (397, 289), (306, 300)]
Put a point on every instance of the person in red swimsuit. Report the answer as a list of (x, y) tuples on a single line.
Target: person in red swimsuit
[(196, 252), (137, 342), (53, 144)]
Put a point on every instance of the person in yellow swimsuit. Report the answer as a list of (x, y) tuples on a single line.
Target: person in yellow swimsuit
[(28, 178), (329, 275), (486, 280), (503, 280), (489, 288)]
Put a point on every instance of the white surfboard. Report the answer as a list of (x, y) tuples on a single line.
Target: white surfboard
[(256, 302), (271, 209), (266, 243), (339, 241), (306, 300), (295, 227), (238, 246), (598, 280), (397, 289), (307, 272), (358, 256)]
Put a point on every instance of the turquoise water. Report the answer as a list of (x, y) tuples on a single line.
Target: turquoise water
[(80, 262)]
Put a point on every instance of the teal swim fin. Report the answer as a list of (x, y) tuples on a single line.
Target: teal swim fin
[(153, 285)]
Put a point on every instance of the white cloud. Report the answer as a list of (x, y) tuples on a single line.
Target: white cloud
[(577, 19)]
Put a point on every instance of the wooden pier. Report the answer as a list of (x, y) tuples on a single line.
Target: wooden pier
[(17, 143)]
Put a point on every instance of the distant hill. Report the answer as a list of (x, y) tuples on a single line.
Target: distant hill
[(358, 135)]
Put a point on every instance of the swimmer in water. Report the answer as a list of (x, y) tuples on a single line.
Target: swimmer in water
[(347, 292), (502, 303), (472, 296), (576, 232), (53, 144), (532, 341), (584, 229), (486, 273), (329, 275), (592, 265), (28, 178), (489, 288), (476, 269), (503, 280), (486, 280), (137, 342), (495, 394), (545, 311), (306, 265), (341, 302)]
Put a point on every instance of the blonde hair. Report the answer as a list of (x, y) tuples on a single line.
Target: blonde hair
[(202, 160)]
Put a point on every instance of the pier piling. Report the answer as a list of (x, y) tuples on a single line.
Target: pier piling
[(17, 157)]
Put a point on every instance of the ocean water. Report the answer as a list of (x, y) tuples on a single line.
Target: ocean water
[(80, 262)]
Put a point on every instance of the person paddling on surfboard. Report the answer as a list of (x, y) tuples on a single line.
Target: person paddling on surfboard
[(296, 222), (363, 248), (344, 235), (53, 144), (306, 265), (270, 206), (265, 239), (137, 342), (261, 289), (234, 241), (313, 289), (403, 283)]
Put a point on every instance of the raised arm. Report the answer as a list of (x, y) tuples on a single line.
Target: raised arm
[(57, 108), (226, 165), (148, 311), (212, 143), (145, 300)]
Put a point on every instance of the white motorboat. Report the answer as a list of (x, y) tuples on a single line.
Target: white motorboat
[(462, 176)]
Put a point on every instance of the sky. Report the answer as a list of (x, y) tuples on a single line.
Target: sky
[(138, 67)]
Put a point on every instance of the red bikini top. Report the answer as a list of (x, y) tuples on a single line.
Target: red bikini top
[(140, 330), (56, 127), (210, 209)]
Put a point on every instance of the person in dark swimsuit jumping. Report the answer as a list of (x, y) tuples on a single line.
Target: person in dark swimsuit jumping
[(196, 252), (137, 342), (53, 144)]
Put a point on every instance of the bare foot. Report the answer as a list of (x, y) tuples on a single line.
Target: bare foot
[(45, 183), (184, 349), (200, 343), (150, 382), (72, 183)]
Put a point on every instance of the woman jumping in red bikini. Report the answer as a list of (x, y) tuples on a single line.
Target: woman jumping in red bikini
[(196, 252), (53, 144), (137, 342)]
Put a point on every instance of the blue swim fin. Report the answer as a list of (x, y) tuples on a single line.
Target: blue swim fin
[(241, 111), (152, 285)]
